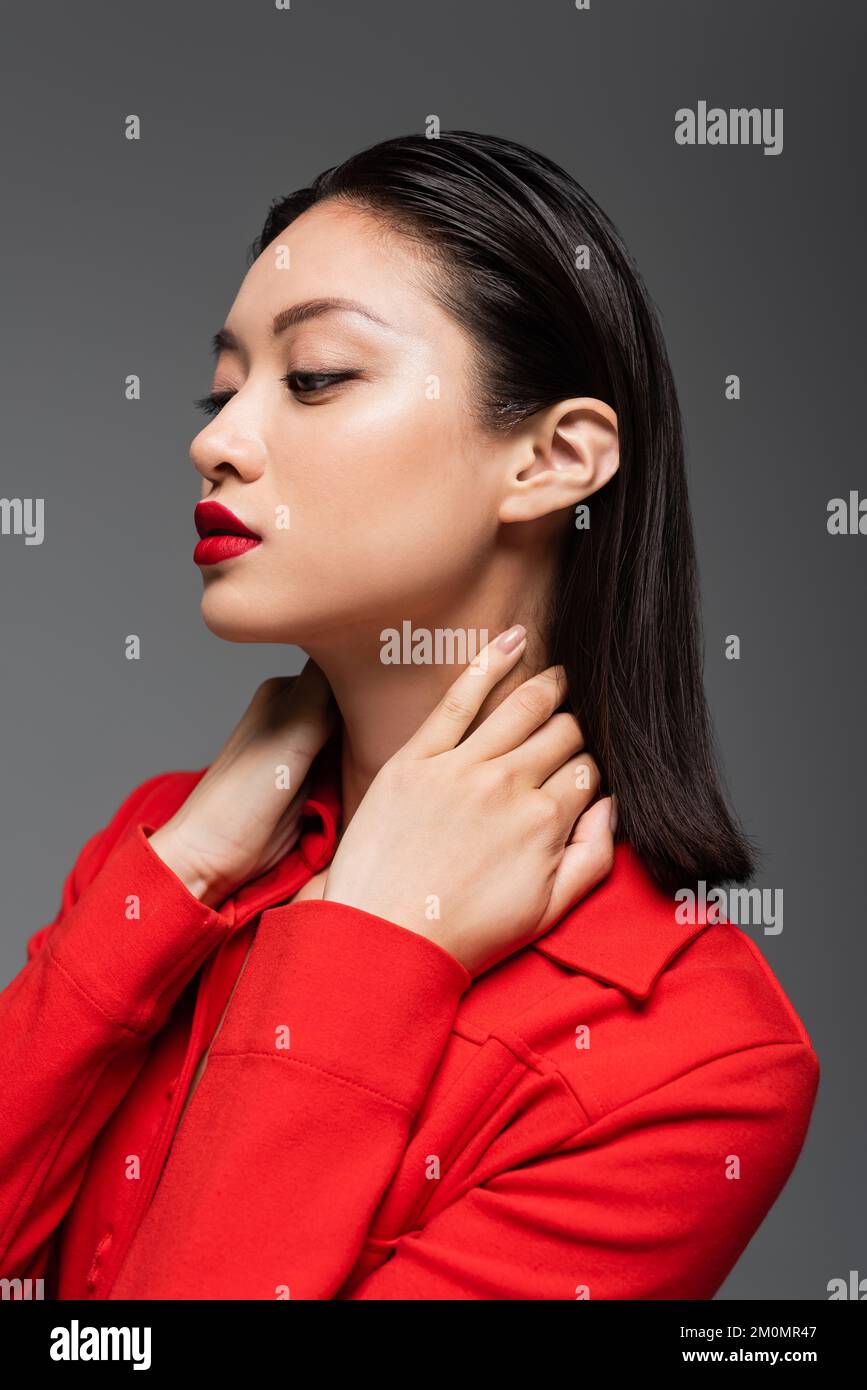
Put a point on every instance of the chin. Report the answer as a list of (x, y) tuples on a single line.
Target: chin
[(233, 632), (230, 628), (236, 618)]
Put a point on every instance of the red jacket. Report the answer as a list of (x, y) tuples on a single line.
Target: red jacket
[(608, 1113)]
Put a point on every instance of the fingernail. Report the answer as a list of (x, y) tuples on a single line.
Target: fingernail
[(508, 640)]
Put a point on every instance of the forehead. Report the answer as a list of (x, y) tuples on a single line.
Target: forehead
[(335, 249)]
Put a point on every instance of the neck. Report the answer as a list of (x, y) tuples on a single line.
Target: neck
[(383, 702)]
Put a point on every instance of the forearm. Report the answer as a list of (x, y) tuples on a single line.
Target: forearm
[(74, 1027)]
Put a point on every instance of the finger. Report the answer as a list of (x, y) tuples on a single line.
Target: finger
[(574, 786), (450, 718), (311, 705), (297, 720), (515, 719), (547, 749), (310, 686), (267, 694), (587, 859), (299, 797)]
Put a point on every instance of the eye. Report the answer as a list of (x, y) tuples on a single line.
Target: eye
[(213, 403), (301, 384), (312, 383)]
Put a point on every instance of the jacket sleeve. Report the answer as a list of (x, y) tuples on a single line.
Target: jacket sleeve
[(100, 980), (303, 1111), (305, 1108)]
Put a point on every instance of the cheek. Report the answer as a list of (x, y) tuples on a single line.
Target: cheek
[(394, 467), (389, 516)]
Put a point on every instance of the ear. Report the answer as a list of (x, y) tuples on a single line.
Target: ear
[(560, 456)]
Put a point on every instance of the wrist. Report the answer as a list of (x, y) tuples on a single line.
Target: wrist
[(204, 886), (389, 911)]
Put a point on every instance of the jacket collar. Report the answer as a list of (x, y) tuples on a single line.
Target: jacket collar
[(322, 807), (320, 820), (624, 933)]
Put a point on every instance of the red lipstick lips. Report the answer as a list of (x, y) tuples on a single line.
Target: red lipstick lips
[(223, 535)]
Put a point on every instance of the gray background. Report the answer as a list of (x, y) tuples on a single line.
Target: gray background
[(124, 257)]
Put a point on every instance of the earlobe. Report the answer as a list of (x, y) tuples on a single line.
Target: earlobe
[(565, 454)]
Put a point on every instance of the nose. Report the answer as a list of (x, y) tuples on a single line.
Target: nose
[(225, 447)]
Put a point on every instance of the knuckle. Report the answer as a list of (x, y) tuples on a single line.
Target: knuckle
[(455, 706), (546, 812), (532, 699), (552, 673), (505, 782), (541, 692), (396, 775)]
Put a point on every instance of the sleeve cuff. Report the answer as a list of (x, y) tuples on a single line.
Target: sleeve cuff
[(136, 935), (361, 997)]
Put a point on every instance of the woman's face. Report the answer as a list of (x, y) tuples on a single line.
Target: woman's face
[(374, 493)]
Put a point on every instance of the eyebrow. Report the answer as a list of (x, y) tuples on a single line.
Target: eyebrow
[(227, 341)]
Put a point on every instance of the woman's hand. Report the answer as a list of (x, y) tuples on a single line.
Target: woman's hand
[(240, 819), (474, 844)]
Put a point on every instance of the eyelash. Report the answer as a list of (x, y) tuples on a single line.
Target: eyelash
[(213, 403)]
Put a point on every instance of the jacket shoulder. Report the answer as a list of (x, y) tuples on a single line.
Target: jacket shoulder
[(727, 985), (723, 999), (715, 1000)]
